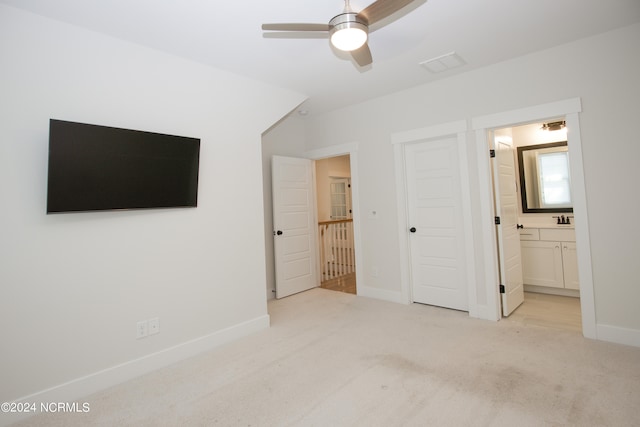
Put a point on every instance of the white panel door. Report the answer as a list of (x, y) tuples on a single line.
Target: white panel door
[(294, 225), (506, 201), (437, 244)]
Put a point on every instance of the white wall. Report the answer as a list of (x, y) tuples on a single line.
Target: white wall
[(601, 70), (74, 285)]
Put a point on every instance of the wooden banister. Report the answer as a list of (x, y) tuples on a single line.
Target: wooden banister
[(334, 221), (337, 256)]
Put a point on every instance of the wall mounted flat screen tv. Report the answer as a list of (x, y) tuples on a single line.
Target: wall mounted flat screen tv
[(97, 168)]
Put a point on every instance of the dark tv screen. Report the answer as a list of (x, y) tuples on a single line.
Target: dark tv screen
[(97, 168)]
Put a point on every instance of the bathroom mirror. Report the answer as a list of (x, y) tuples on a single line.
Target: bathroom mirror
[(545, 180)]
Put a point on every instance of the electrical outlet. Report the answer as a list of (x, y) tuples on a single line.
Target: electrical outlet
[(154, 325), (142, 329)]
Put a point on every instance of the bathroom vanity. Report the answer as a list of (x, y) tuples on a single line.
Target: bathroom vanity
[(549, 261)]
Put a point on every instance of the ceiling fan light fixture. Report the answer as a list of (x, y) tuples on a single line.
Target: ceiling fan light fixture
[(347, 32)]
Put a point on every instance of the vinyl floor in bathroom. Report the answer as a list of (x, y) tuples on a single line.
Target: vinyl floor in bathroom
[(549, 310)]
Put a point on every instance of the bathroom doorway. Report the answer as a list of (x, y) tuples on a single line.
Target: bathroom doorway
[(543, 247)]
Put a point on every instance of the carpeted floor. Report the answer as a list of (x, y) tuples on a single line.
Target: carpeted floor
[(335, 359)]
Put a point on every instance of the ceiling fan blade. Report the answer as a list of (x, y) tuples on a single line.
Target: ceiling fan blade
[(380, 9), (295, 27), (362, 55), (311, 35)]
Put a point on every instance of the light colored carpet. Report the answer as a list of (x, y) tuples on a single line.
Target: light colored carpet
[(335, 359)]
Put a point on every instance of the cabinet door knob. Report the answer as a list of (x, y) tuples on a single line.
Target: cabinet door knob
[(412, 229)]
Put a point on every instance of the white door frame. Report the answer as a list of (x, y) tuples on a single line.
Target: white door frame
[(352, 150), (570, 109), (458, 130)]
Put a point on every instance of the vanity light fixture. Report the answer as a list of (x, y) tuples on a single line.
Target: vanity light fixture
[(554, 125)]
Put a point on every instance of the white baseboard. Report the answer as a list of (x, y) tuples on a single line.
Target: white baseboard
[(618, 335), (75, 390), (552, 291), (382, 294)]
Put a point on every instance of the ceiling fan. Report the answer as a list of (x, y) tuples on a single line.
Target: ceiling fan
[(349, 30)]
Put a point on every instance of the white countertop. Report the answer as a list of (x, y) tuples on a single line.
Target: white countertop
[(545, 225)]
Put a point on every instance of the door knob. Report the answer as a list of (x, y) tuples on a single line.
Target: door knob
[(412, 229), (279, 233)]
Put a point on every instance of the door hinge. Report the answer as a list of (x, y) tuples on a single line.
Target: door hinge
[(492, 153), (497, 220), (502, 289)]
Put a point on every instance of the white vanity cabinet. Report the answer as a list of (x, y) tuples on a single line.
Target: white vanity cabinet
[(570, 265), (549, 257)]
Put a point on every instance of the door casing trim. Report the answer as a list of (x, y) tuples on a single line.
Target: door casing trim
[(570, 109), (456, 129)]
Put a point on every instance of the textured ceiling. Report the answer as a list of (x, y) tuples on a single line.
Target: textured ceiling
[(227, 35)]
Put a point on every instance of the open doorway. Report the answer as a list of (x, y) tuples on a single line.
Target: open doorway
[(336, 247), (293, 226), (533, 204)]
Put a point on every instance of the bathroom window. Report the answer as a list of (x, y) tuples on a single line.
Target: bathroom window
[(555, 179)]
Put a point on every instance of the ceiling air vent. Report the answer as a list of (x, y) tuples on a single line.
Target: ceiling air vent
[(443, 63)]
